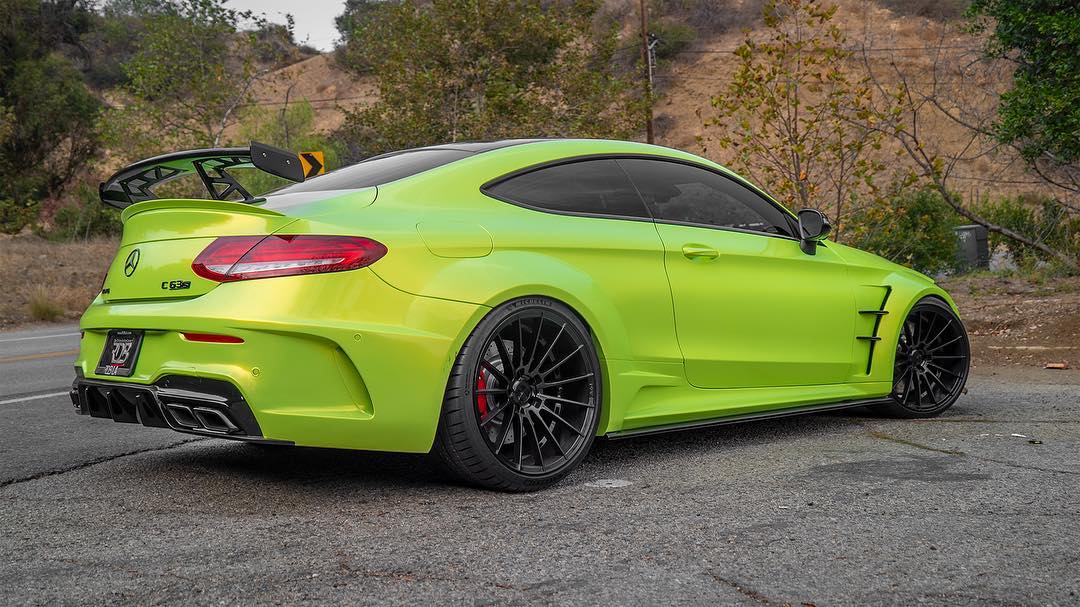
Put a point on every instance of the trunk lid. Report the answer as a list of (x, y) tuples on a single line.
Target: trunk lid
[(162, 238)]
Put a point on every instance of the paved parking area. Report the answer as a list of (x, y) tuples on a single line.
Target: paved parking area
[(981, 506)]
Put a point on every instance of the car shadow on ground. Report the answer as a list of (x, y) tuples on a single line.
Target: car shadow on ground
[(310, 467)]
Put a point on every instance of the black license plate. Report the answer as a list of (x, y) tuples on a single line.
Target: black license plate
[(120, 353)]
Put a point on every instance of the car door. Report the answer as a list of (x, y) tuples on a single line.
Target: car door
[(751, 309)]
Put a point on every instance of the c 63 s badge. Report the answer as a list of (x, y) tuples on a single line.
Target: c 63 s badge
[(175, 285)]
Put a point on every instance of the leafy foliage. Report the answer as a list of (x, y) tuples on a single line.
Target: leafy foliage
[(191, 74), (714, 16), (913, 228), (1041, 113), (792, 116), (674, 37), (84, 218), (351, 24), (1040, 219), (941, 10), (453, 70), (47, 115)]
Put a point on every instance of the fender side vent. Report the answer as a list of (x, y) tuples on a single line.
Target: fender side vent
[(873, 337)]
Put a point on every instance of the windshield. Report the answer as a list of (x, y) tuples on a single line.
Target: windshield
[(377, 171)]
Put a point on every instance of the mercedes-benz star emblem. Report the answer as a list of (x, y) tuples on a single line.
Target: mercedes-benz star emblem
[(132, 262)]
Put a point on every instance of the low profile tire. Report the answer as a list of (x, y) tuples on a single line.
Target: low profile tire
[(523, 400), (932, 360)]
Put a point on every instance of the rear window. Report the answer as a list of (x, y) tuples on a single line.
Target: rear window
[(596, 187), (377, 171)]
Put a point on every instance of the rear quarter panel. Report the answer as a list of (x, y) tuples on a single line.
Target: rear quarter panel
[(447, 239)]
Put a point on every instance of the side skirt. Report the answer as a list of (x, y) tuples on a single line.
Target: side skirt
[(748, 417)]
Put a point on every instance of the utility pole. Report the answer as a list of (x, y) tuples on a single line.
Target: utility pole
[(646, 58)]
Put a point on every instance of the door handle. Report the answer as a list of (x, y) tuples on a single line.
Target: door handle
[(695, 252)]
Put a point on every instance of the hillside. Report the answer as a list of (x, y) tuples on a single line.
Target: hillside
[(917, 46), (321, 82)]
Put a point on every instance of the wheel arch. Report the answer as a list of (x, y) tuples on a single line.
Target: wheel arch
[(575, 306), (912, 293)]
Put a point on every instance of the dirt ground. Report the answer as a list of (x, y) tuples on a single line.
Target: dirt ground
[(1012, 321), (66, 275)]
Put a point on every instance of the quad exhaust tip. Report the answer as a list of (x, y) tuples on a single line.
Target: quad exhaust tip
[(201, 418), (214, 420), (183, 415)]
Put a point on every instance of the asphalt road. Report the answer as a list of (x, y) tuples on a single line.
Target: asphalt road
[(980, 506)]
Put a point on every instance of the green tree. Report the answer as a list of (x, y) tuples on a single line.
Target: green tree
[(1040, 114), (452, 70), (790, 117), (191, 75), (351, 24), (47, 114)]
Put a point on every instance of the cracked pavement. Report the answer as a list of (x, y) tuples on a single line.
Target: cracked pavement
[(978, 506)]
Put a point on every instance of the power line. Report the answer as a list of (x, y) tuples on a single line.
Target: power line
[(728, 51), (917, 83), (269, 102), (637, 47)]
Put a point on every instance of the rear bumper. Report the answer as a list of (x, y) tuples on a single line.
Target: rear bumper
[(185, 404), (329, 360)]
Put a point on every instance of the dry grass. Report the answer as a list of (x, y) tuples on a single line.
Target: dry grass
[(49, 281), (41, 305)]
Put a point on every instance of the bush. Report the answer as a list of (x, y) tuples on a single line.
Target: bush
[(14, 216), (914, 229), (85, 218), (674, 37), (939, 10), (1039, 218), (713, 16)]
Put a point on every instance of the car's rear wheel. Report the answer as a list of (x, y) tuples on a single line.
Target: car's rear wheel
[(932, 361), (523, 400)]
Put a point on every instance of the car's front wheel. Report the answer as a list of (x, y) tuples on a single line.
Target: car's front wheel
[(932, 360), (523, 400)]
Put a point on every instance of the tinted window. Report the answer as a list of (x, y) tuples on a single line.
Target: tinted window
[(377, 171), (680, 192), (591, 186)]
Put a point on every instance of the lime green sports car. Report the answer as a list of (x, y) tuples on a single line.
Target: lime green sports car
[(498, 304)]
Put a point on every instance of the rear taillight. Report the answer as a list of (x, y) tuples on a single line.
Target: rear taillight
[(232, 258)]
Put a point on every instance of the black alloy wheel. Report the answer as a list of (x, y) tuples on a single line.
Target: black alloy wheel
[(523, 402), (932, 361)]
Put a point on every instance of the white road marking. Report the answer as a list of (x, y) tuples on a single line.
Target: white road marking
[(26, 398), (38, 337)]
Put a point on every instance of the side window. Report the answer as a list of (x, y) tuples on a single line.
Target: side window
[(590, 186), (684, 193)]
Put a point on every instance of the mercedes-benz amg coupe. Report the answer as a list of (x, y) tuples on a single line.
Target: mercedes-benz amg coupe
[(499, 305)]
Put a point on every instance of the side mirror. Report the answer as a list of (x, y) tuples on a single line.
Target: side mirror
[(813, 228)]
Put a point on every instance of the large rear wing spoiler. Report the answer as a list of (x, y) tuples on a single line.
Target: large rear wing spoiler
[(135, 182)]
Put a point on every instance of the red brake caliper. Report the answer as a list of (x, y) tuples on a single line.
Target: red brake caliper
[(481, 400)]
